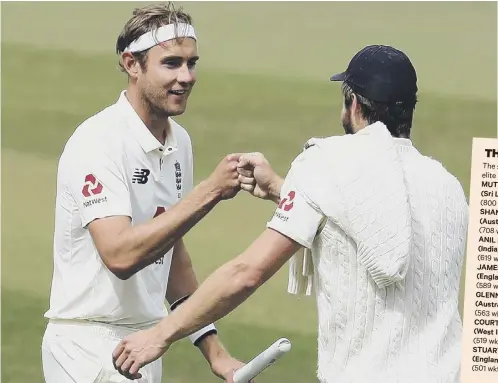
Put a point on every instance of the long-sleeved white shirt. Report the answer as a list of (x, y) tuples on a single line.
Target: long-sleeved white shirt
[(388, 261)]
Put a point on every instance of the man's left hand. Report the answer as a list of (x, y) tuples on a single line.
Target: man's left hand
[(137, 350), (225, 366)]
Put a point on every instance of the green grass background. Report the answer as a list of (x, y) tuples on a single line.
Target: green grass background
[(262, 86)]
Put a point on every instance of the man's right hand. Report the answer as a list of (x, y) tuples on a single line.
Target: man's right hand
[(225, 179), (254, 166)]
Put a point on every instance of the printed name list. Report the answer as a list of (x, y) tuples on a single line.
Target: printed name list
[(480, 322)]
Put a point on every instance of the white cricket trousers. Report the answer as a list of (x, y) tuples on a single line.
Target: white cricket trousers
[(81, 352)]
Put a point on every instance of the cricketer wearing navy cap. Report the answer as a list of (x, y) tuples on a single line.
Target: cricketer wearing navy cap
[(381, 84)]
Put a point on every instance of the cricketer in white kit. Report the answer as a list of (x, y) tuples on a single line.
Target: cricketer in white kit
[(125, 199), (383, 228)]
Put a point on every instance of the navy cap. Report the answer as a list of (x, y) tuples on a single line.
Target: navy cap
[(381, 73)]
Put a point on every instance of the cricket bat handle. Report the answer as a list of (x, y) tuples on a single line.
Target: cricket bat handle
[(262, 361)]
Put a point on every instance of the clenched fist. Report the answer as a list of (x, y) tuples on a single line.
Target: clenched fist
[(225, 179), (257, 177)]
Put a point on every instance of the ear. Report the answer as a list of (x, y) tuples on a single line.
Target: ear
[(355, 107), (130, 64), (356, 117)]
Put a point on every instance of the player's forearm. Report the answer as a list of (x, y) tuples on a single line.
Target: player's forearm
[(275, 189), (220, 293), (140, 245), (229, 285), (212, 348), (182, 280)]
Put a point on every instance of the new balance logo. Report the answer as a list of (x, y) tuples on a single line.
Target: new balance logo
[(140, 176)]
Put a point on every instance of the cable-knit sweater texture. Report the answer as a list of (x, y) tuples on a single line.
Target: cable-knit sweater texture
[(388, 261)]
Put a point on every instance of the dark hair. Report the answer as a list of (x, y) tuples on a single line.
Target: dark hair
[(397, 116), (145, 19)]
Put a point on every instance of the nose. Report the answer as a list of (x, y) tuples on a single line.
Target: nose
[(185, 74)]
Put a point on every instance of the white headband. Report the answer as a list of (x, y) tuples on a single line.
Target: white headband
[(162, 34)]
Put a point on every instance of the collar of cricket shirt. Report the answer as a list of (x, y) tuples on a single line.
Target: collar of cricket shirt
[(402, 141), (143, 135), (380, 126)]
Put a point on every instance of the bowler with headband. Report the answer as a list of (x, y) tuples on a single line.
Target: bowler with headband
[(125, 199)]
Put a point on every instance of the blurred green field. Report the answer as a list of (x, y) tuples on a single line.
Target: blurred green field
[(262, 86)]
